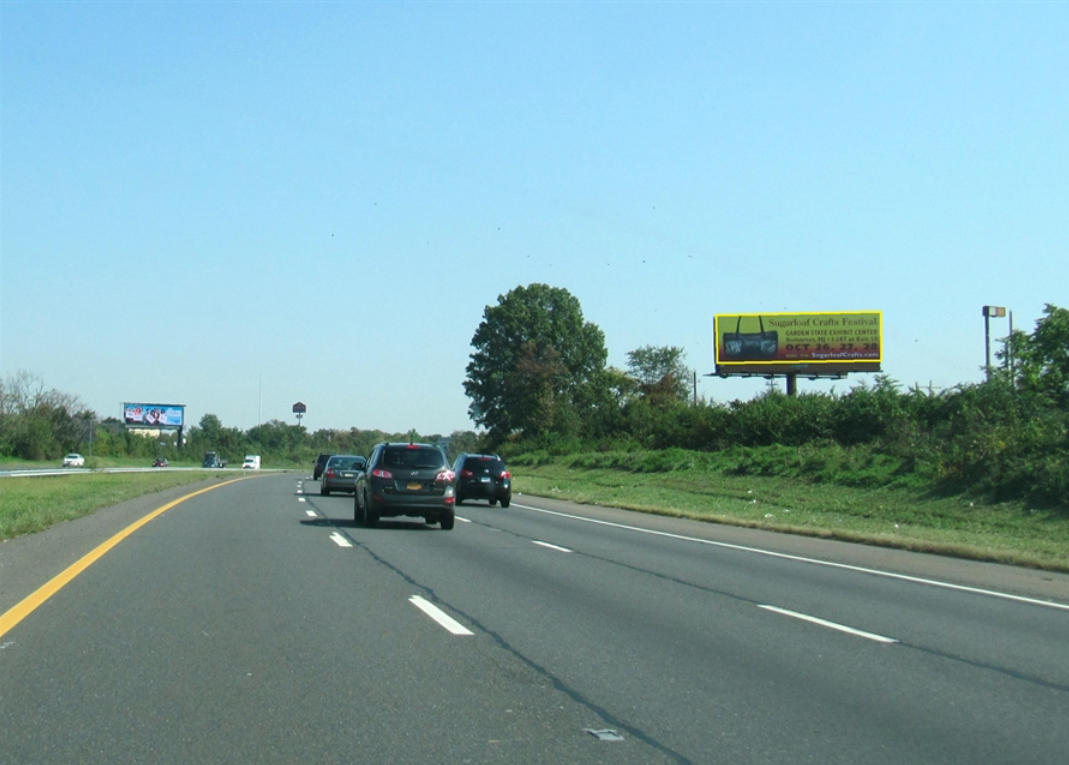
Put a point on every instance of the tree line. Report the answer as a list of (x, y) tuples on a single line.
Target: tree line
[(537, 381)]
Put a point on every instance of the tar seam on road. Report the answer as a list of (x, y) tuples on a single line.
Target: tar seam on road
[(30, 603), (1016, 675), (815, 561), (557, 682)]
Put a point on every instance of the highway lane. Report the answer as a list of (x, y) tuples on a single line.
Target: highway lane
[(678, 634), (259, 624)]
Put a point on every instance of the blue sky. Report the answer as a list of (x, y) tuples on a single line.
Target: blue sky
[(236, 206)]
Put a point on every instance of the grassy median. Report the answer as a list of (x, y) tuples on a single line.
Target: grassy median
[(29, 505), (903, 516)]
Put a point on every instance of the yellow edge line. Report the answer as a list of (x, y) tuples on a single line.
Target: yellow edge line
[(30, 603)]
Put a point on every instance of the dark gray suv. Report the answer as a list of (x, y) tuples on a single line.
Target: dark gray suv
[(483, 476), (405, 479)]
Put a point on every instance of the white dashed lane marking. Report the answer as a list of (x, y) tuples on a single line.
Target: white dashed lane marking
[(439, 616), (830, 625), (549, 546)]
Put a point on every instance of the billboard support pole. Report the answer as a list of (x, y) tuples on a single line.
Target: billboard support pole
[(792, 384)]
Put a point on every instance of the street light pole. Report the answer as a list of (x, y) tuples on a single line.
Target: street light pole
[(989, 311)]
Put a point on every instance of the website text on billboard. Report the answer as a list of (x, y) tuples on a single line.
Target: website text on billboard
[(798, 338)]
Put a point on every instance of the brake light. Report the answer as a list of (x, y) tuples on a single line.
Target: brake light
[(505, 474), (466, 474), (381, 473), (330, 473), (445, 476)]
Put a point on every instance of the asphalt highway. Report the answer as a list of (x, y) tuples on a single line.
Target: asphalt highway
[(256, 623)]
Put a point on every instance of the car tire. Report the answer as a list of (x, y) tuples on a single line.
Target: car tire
[(493, 502), (324, 491), (431, 520), (357, 515), (505, 502), (371, 516), (447, 519)]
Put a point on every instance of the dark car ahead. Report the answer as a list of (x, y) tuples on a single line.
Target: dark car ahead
[(482, 476), (340, 473), (405, 479), (320, 465)]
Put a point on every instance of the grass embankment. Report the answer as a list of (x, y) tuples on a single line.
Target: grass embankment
[(878, 505), (29, 505)]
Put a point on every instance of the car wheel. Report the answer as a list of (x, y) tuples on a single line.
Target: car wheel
[(324, 491), (430, 520), (357, 515), (505, 502), (447, 520), (493, 502), (371, 516)]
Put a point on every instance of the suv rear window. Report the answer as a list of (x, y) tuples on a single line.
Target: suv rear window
[(415, 458), (484, 465)]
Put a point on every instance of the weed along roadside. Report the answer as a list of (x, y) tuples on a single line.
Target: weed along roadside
[(704, 486), (31, 505)]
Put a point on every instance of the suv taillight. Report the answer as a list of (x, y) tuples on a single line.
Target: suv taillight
[(466, 474), (381, 473), (445, 476), (505, 474)]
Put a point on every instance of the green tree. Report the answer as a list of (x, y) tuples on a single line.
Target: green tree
[(36, 423), (1041, 360), (537, 364), (661, 372)]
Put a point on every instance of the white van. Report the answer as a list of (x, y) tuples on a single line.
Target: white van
[(252, 462)]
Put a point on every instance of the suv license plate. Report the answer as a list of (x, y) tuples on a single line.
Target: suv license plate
[(414, 486)]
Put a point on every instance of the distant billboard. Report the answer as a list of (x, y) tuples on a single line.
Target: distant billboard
[(783, 343), (154, 415)]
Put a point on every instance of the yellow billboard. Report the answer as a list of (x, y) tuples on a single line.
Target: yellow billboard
[(845, 337)]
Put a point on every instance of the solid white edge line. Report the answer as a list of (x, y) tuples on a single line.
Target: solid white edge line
[(551, 547), (443, 619), (815, 561), (462, 520), (340, 541), (830, 625)]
